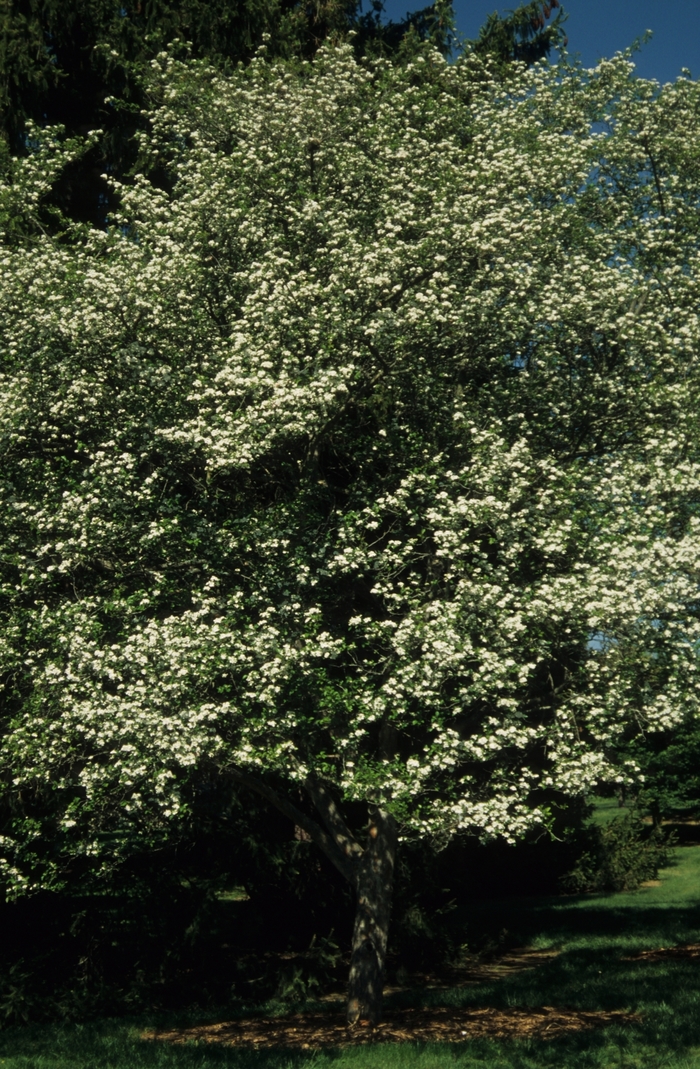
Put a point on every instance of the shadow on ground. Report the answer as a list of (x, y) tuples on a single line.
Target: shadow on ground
[(602, 986)]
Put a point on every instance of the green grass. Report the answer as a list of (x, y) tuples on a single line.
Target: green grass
[(595, 933), (607, 809)]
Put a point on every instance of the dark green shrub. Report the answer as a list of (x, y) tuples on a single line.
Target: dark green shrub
[(619, 856)]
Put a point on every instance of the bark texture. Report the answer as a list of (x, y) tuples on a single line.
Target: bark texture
[(374, 890)]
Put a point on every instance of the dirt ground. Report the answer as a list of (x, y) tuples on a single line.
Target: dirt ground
[(432, 1025), (426, 1025), (687, 950)]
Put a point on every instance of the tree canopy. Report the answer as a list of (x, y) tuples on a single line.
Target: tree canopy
[(359, 463), (83, 64)]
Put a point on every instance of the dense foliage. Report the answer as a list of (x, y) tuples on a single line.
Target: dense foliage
[(357, 461), (618, 855), (84, 64), (669, 785)]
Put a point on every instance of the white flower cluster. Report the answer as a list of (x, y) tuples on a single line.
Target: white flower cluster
[(368, 451)]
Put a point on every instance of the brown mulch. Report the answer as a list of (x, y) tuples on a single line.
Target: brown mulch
[(687, 950), (428, 1025), (478, 971)]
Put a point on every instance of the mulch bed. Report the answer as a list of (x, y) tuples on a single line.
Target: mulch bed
[(429, 1025), (688, 950)]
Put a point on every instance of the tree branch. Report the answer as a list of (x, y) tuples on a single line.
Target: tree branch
[(343, 838), (655, 173), (342, 859)]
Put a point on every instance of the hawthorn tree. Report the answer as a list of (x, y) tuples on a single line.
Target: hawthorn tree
[(83, 64), (362, 467)]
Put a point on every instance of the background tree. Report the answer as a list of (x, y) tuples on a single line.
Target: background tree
[(358, 467), (525, 35), (81, 65), (669, 787)]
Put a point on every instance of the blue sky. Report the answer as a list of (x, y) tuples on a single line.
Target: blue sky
[(598, 28)]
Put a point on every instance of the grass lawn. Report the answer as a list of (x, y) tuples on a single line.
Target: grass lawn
[(596, 969)]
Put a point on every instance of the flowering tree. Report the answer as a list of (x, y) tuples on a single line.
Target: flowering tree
[(83, 63), (359, 462)]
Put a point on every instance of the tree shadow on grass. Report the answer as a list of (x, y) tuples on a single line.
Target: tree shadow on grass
[(600, 967)]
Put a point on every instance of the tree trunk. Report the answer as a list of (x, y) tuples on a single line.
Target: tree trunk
[(374, 884), (370, 872)]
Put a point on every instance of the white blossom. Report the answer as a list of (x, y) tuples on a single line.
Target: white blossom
[(383, 419)]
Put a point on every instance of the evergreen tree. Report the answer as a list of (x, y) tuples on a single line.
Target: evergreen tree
[(524, 35)]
